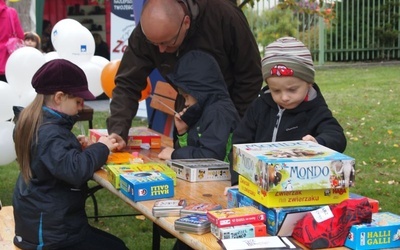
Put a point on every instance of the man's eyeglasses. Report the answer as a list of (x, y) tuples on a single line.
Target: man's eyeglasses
[(171, 42)]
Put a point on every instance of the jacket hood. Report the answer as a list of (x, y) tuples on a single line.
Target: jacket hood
[(198, 74)]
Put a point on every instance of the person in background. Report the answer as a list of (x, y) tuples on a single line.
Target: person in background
[(168, 29), (55, 165), (47, 45), (206, 123), (31, 39), (102, 48), (291, 105), (8, 19)]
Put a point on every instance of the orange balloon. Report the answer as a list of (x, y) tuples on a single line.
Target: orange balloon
[(146, 91), (108, 84), (108, 75)]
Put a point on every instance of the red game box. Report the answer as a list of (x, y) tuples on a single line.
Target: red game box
[(236, 216)]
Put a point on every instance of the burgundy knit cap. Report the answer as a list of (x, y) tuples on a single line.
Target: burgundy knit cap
[(61, 75)]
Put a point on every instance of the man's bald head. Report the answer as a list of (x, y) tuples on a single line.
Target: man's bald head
[(161, 21)]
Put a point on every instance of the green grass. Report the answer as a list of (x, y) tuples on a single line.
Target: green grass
[(365, 100)]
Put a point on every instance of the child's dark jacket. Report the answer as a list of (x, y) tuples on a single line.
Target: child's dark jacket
[(311, 117), (50, 211), (212, 120)]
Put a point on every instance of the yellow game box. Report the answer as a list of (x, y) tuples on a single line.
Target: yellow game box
[(137, 138), (114, 171), (293, 198)]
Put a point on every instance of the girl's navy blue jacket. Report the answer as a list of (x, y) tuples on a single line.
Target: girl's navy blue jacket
[(213, 118), (49, 211), (264, 121)]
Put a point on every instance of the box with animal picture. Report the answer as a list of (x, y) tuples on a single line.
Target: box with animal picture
[(293, 165), (205, 169)]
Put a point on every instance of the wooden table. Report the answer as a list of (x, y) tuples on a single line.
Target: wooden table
[(192, 192)]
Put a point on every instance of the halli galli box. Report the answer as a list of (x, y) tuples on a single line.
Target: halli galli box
[(293, 165), (382, 232), (141, 186), (114, 171)]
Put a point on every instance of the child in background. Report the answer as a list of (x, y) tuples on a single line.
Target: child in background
[(204, 127), (31, 39), (51, 190), (291, 106)]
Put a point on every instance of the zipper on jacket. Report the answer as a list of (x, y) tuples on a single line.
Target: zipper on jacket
[(278, 121)]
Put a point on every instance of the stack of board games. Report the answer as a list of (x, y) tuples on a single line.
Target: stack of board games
[(141, 186), (280, 221), (195, 170), (167, 208), (199, 208), (193, 223), (238, 222)]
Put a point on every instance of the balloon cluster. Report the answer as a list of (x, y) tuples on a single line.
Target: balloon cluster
[(72, 41)]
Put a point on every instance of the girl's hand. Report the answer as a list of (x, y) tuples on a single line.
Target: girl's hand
[(110, 142), (84, 141)]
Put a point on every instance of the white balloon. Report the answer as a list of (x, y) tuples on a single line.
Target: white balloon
[(76, 45), (61, 26), (27, 97), (99, 60), (93, 75), (7, 146), (8, 99), (51, 56), (21, 66)]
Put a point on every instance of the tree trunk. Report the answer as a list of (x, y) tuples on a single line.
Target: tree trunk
[(23, 8)]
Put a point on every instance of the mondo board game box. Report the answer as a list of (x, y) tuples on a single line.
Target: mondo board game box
[(141, 186), (205, 169), (240, 231), (293, 165), (235, 216), (293, 198), (280, 221), (382, 232), (114, 171), (137, 138)]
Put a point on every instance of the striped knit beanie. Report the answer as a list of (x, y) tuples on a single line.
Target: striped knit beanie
[(287, 56)]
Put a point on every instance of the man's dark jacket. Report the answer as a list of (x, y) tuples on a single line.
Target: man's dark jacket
[(219, 28)]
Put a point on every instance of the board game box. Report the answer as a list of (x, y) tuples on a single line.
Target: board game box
[(235, 216), (280, 221), (293, 165), (140, 186), (241, 231), (167, 208), (312, 197), (205, 169), (382, 232), (114, 171), (137, 138), (199, 208), (193, 223)]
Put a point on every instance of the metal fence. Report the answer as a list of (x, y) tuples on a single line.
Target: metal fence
[(360, 30)]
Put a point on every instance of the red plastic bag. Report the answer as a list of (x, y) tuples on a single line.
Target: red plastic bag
[(333, 231)]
